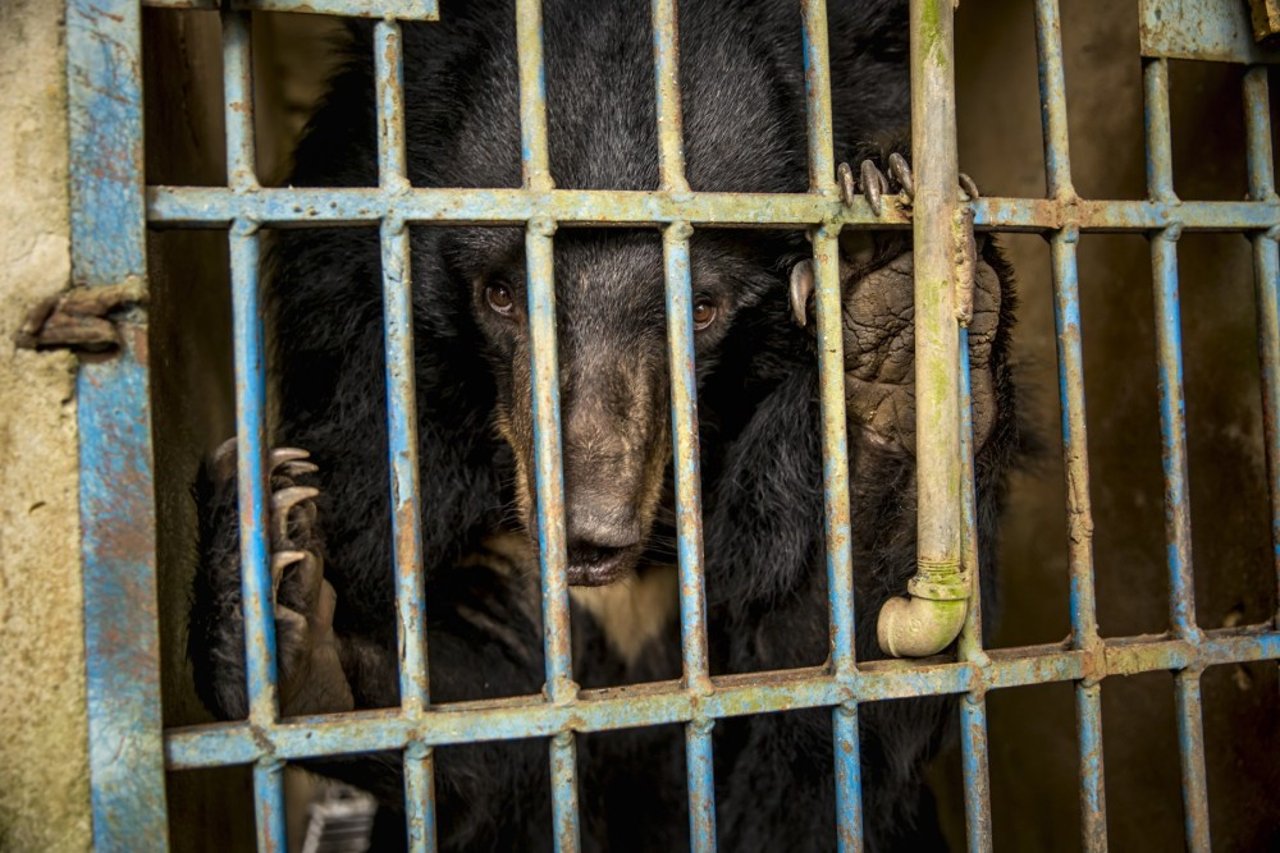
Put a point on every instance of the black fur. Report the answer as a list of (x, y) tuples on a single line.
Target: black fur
[(743, 103)]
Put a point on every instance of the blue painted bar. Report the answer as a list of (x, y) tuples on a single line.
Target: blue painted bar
[(251, 472), (1195, 786), (237, 61), (973, 708), (700, 770), (836, 526), (419, 790), (666, 67), (218, 206), (1083, 604), (1053, 100), (686, 454), (848, 773), (835, 450), (117, 515), (1207, 30), (1159, 136), (738, 695), (817, 89), (1266, 277), (564, 793), (1093, 794), (400, 10), (268, 804), (976, 767), (534, 154)]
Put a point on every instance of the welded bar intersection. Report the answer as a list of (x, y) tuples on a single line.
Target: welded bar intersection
[(698, 699)]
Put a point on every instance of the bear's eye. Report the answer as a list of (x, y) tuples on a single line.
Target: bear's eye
[(499, 298), (704, 313)]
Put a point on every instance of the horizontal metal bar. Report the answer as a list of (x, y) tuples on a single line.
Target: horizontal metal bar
[(218, 206), (400, 10), (733, 696), (1207, 30)]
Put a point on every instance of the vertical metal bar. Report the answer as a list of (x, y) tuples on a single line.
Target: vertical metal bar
[(817, 80), (402, 444), (1195, 788), (700, 777), (1266, 276), (548, 471), (534, 153), (835, 441), (1155, 84), (973, 708), (419, 792), (848, 772), (1164, 259), (108, 247), (237, 70), (693, 616), (666, 64), (837, 529), (548, 474), (251, 427), (699, 767), (1053, 99), (564, 792), (1164, 262), (268, 804), (1075, 452), (934, 156), (251, 472)]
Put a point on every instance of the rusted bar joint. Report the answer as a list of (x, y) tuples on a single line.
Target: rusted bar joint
[(81, 319)]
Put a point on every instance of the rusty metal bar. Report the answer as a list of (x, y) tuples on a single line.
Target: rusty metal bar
[(419, 789), (973, 707), (1182, 608), (836, 525), (737, 695), (837, 528), (699, 763), (218, 206), (237, 62), (113, 410), (1053, 100), (666, 64), (251, 426), (693, 610), (1195, 786), (401, 10), (548, 458), (930, 618), (817, 89), (402, 433), (1075, 460), (1266, 277)]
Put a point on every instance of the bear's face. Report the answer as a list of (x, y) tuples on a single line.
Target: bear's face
[(611, 333)]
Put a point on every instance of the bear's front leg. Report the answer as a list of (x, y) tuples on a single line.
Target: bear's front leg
[(310, 675)]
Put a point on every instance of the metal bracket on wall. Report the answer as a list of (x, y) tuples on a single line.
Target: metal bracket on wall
[(82, 319)]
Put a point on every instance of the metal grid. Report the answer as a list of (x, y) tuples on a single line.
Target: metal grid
[(111, 209)]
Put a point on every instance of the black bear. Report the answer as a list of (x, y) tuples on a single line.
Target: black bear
[(766, 576), (742, 88)]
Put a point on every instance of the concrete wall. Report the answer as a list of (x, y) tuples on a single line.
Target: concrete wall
[(44, 794)]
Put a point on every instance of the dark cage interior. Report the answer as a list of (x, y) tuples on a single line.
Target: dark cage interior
[(742, 88)]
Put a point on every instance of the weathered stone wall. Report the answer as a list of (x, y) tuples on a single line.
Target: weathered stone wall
[(44, 792)]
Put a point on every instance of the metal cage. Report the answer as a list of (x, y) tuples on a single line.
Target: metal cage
[(112, 209)]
